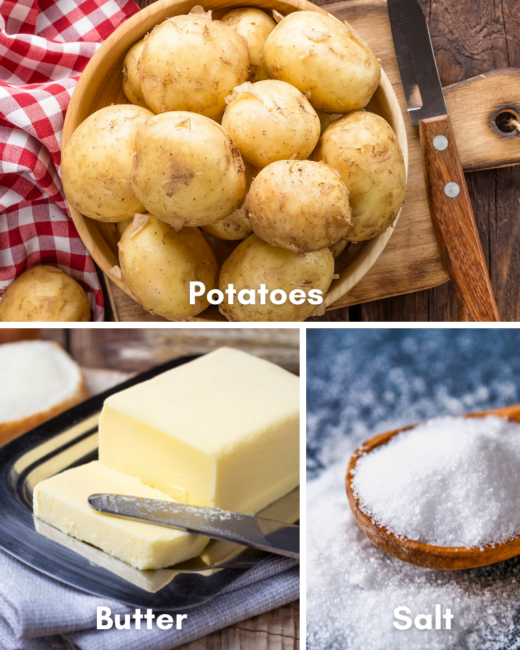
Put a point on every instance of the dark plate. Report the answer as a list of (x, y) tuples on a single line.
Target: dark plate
[(68, 440)]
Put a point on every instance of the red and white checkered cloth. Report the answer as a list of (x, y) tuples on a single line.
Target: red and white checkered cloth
[(44, 47)]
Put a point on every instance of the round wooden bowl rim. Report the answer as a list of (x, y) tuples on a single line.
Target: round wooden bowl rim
[(372, 248), (455, 557)]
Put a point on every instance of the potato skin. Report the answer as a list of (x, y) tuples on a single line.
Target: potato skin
[(364, 149), (190, 63), (237, 226), (131, 82), (301, 206), (254, 262), (338, 248), (46, 294), (255, 26), (271, 120), (221, 247), (320, 55), (187, 171), (97, 161), (158, 264), (232, 228)]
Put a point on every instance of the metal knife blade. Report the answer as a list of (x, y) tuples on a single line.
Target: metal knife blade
[(265, 534), (416, 61)]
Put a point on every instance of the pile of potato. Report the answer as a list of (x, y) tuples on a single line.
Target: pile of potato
[(220, 170)]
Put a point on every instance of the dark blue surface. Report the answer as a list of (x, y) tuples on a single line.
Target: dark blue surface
[(365, 381)]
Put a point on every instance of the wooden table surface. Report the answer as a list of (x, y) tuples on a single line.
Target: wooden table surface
[(469, 38), (135, 350)]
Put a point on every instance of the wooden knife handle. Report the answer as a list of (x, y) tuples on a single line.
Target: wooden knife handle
[(454, 221)]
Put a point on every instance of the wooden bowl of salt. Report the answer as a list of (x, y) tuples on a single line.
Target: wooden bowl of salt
[(417, 552)]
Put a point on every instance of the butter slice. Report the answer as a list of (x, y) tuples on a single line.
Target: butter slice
[(62, 502), (221, 431)]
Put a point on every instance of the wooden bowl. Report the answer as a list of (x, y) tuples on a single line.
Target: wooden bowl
[(101, 85), (431, 557)]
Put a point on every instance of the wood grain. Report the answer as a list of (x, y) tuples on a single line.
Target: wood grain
[(425, 555), (278, 629), (455, 223), (470, 39), (480, 143)]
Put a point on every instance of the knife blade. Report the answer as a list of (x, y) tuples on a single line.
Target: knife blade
[(450, 206), (265, 534)]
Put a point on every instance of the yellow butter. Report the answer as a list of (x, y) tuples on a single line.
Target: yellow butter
[(62, 502), (221, 431)]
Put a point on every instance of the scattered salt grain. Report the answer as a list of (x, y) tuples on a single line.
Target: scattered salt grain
[(452, 481)]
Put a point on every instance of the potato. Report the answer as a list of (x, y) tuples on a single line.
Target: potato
[(97, 161), (299, 205), (122, 226), (326, 119), (46, 294), (131, 82), (158, 264), (187, 171), (323, 58), (364, 149), (254, 263), (190, 63), (237, 225), (221, 247), (338, 248), (271, 120), (255, 26)]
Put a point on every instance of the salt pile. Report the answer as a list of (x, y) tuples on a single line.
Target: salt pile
[(353, 588), (451, 481)]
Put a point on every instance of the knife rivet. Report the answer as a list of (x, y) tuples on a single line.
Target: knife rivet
[(452, 190), (440, 142)]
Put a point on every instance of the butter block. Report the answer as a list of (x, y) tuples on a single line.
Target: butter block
[(221, 431), (62, 502)]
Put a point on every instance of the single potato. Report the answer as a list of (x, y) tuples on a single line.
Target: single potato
[(45, 294), (131, 82), (237, 226), (254, 263), (271, 120), (255, 26), (325, 59), (191, 63), (364, 149), (122, 226), (97, 161), (158, 264), (187, 170), (326, 119), (221, 247), (338, 248), (299, 205)]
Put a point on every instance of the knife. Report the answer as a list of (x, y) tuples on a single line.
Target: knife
[(265, 534), (448, 196)]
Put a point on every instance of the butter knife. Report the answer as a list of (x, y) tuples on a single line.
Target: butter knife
[(448, 196), (265, 534)]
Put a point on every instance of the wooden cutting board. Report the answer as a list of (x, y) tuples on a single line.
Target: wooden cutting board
[(411, 260)]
